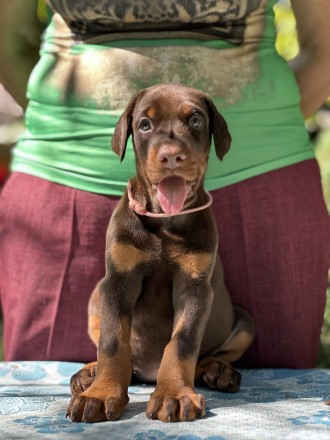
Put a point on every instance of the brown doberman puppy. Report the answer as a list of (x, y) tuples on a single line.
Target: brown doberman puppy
[(162, 310)]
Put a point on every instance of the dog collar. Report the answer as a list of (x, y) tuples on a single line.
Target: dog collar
[(139, 209)]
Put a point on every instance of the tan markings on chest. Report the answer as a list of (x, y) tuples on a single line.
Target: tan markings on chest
[(193, 264), (126, 256)]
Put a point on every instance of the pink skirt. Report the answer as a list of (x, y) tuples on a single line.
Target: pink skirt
[(274, 242)]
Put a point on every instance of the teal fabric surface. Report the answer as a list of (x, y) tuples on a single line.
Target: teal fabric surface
[(272, 404)]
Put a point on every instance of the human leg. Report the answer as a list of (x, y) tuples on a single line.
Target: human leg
[(274, 235), (52, 256)]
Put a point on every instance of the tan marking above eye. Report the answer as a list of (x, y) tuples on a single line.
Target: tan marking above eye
[(186, 109), (193, 264), (126, 256), (151, 112)]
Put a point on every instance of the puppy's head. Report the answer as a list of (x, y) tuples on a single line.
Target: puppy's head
[(172, 127)]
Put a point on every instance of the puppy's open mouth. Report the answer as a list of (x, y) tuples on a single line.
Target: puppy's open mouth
[(172, 193)]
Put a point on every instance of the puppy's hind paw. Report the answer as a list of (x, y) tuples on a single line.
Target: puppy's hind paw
[(219, 375), (83, 379)]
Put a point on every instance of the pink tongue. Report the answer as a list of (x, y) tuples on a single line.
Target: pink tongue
[(172, 193)]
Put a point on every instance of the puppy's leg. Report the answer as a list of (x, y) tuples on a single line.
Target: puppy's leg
[(106, 397), (174, 398), (215, 371), (94, 316), (84, 378), (106, 394)]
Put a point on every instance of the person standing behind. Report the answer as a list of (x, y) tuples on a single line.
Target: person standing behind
[(271, 217)]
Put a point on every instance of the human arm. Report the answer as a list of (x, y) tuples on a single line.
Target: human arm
[(312, 64), (20, 32)]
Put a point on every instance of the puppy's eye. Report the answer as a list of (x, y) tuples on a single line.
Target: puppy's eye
[(145, 125), (196, 122)]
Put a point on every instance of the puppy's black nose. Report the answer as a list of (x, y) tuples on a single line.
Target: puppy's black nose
[(170, 157)]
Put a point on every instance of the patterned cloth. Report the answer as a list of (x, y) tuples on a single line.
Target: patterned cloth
[(272, 404)]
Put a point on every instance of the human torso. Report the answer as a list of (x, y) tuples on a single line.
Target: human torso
[(95, 56)]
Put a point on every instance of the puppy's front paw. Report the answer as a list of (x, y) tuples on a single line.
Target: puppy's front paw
[(93, 409), (183, 407)]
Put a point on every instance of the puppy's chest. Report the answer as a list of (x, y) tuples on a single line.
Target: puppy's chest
[(171, 253), (153, 316), (173, 262)]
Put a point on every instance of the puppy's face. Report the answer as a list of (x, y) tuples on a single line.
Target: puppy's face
[(172, 127), (172, 141)]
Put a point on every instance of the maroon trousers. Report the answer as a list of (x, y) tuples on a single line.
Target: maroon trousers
[(274, 242)]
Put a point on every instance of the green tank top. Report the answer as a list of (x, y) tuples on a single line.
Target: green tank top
[(94, 59)]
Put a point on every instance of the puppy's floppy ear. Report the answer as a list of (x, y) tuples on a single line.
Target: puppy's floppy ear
[(123, 128), (219, 130)]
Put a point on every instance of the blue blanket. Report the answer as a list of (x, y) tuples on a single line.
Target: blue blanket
[(272, 404)]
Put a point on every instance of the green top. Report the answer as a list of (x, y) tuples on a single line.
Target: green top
[(85, 78)]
